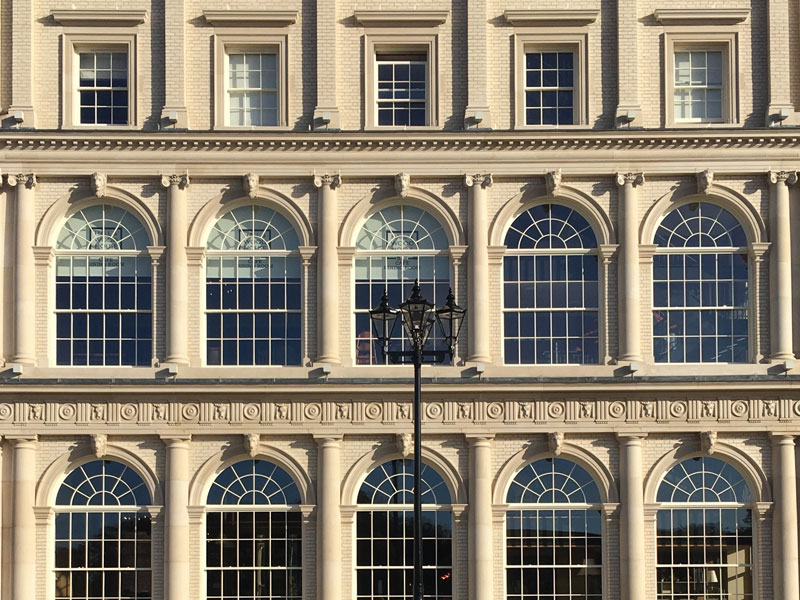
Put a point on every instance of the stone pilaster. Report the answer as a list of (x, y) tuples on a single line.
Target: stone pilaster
[(175, 66), (176, 530), (629, 109), (329, 519), (478, 114), (779, 32), (326, 113), (628, 277), (327, 269), (22, 62), (23, 529), (478, 268), (24, 271), (780, 264), (481, 559), (784, 522), (177, 278), (632, 523)]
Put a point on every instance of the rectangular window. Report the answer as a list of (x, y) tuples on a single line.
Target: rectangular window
[(402, 95), (698, 85), (253, 89), (549, 88), (103, 88)]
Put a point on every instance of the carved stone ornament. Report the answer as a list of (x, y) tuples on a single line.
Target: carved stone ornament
[(555, 440), (402, 184), (552, 180), (708, 441), (332, 181), (252, 441), (182, 181), (705, 179), (787, 177), (483, 180), (405, 444), (99, 443), (632, 178), (250, 185), (29, 181), (98, 182)]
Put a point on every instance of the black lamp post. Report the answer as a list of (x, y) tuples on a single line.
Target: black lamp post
[(417, 316)]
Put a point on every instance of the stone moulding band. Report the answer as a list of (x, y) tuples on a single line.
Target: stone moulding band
[(582, 412)]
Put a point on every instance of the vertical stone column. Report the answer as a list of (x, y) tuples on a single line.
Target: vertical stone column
[(784, 521), (628, 65), (175, 65), (24, 271), (478, 268), (632, 549), (780, 264), (478, 115), (327, 269), (779, 63), (481, 557), (329, 518), (22, 62), (327, 108), (177, 282), (176, 529), (23, 528), (628, 280)]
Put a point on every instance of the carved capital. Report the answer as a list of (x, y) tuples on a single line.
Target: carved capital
[(181, 181), (252, 442), (402, 184), (482, 180), (785, 177), (705, 179), (99, 444), (326, 179), (555, 441), (250, 183), (21, 179), (708, 441), (633, 179), (98, 182), (552, 180)]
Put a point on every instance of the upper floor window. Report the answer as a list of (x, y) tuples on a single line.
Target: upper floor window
[(253, 534), (698, 85), (553, 533), (700, 287), (704, 544), (550, 292), (103, 87), (549, 87), (396, 246), (385, 534), (103, 289), (252, 92), (253, 289), (102, 534), (402, 89)]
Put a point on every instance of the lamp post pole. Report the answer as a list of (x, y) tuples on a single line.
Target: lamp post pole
[(417, 316)]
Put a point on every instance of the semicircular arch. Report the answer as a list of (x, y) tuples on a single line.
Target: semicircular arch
[(580, 456), (62, 209), (719, 195), (422, 199), (212, 210), (54, 475), (744, 464), (568, 196), (207, 473), (363, 466)]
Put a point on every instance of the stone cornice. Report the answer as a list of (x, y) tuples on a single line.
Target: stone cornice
[(701, 16), (251, 18), (120, 18), (534, 17), (398, 18)]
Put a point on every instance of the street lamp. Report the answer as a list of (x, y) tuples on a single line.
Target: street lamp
[(417, 316)]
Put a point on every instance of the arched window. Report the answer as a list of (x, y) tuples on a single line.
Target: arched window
[(554, 547), (102, 534), (253, 534), (700, 287), (385, 534), (103, 289), (253, 289), (550, 293), (396, 246), (704, 546)]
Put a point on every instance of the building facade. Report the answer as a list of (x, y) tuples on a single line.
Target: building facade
[(200, 204)]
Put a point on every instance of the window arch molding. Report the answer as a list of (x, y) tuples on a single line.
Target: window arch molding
[(358, 472), (753, 475), (57, 471), (207, 216), (62, 209), (570, 197), (204, 477), (718, 195), (422, 199), (537, 451)]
